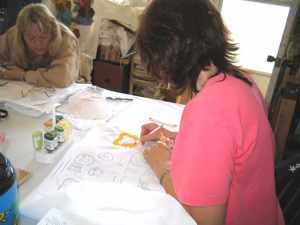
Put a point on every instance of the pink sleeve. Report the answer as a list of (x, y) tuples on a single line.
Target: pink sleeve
[(202, 160)]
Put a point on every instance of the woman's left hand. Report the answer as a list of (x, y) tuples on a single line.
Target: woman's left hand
[(12, 73), (158, 157)]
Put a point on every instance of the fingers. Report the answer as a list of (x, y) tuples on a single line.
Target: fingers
[(149, 126), (146, 132), (154, 132), (152, 136)]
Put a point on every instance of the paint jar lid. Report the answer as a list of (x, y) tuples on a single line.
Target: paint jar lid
[(58, 118), (50, 135), (7, 174), (59, 129)]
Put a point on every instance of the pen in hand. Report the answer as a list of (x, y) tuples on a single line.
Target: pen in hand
[(162, 123)]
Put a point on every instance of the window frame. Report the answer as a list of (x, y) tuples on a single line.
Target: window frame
[(273, 2), (287, 3)]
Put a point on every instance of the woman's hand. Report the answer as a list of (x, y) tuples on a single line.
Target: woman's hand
[(154, 132), (12, 73), (150, 132), (158, 157)]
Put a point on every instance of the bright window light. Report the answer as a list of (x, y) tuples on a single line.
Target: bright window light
[(257, 28)]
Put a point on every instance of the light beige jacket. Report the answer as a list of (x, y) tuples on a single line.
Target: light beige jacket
[(59, 70)]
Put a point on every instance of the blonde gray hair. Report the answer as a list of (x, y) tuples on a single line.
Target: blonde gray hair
[(38, 14)]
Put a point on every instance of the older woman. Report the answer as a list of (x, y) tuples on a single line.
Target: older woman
[(222, 162), (39, 50)]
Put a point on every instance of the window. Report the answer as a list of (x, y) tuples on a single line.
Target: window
[(257, 26)]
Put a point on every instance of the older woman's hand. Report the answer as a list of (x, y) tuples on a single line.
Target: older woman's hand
[(12, 73)]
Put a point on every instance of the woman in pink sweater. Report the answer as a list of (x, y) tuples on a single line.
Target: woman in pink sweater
[(221, 166)]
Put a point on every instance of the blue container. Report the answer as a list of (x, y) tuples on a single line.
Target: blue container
[(9, 214)]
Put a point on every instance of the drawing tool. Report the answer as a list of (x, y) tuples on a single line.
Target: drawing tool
[(162, 123)]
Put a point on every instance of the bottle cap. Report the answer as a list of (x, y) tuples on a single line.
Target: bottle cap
[(58, 118), (49, 136), (59, 129), (7, 174)]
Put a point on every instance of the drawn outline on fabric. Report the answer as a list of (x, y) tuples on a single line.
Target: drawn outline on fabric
[(118, 141)]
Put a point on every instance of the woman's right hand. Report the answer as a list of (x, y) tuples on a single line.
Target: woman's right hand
[(154, 132), (150, 132)]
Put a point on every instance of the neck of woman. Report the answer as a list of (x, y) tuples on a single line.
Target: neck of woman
[(204, 75)]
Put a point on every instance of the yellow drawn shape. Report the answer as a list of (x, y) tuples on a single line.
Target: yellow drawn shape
[(135, 140)]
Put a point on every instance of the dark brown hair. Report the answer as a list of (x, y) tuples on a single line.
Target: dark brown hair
[(177, 39)]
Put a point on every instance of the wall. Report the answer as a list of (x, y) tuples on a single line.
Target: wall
[(262, 81)]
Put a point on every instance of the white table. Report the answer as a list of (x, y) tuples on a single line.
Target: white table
[(18, 128)]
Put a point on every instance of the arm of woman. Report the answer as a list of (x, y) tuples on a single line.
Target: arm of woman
[(158, 157), (12, 73), (208, 215), (62, 72)]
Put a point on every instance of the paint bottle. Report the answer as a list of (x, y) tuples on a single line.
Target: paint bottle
[(50, 141), (48, 125), (67, 129), (9, 213), (37, 140), (60, 134)]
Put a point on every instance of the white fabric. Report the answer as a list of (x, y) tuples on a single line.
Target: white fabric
[(105, 184), (34, 101), (113, 204), (125, 190)]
